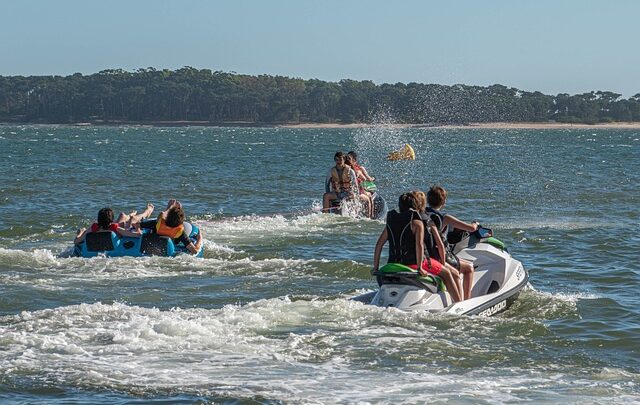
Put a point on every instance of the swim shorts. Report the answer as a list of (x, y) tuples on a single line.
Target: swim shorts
[(435, 269)]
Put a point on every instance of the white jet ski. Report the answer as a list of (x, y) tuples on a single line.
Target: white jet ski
[(498, 280)]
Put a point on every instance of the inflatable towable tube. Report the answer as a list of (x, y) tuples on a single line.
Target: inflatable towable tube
[(405, 153), (149, 244)]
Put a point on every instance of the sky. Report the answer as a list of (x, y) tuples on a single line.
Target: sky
[(553, 46)]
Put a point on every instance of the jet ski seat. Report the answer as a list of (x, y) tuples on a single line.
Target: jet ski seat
[(396, 273)]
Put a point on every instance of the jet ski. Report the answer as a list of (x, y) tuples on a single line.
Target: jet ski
[(356, 209), (498, 279)]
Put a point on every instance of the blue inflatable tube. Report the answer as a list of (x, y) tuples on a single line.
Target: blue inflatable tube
[(149, 244)]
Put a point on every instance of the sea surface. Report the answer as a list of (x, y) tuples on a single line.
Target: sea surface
[(265, 316)]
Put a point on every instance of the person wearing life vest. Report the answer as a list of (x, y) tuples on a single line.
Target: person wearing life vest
[(105, 224), (435, 249), (341, 182), (436, 198), (357, 167), (365, 197), (170, 223), (405, 232)]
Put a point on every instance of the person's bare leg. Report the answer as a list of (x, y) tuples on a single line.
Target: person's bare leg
[(148, 211), (122, 219), (365, 200), (455, 277), (466, 268), (326, 200), (450, 283), (135, 218), (372, 205)]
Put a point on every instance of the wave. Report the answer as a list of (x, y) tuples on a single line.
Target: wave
[(293, 350), (547, 223), (45, 270)]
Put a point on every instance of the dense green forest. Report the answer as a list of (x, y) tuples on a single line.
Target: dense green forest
[(205, 96)]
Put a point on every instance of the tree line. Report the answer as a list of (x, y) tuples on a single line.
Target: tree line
[(201, 95)]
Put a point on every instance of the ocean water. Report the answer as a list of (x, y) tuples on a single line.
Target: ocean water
[(265, 316)]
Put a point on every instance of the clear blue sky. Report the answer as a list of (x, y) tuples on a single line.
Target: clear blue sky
[(555, 46)]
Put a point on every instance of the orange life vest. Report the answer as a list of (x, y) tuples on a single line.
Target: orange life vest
[(341, 184), (164, 230)]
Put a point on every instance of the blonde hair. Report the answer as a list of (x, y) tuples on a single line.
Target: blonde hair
[(420, 201)]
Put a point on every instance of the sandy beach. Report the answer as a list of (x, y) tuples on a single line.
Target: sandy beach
[(483, 125)]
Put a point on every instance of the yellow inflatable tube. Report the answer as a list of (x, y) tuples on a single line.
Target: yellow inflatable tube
[(405, 153)]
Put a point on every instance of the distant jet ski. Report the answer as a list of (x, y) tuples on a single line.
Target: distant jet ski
[(498, 280), (356, 209), (149, 244)]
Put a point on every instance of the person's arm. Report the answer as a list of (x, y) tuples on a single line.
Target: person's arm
[(418, 231), (439, 244), (334, 181), (457, 224), (382, 239), (366, 175), (80, 235), (194, 249)]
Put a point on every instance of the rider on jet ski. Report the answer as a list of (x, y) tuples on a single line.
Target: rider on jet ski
[(341, 182), (436, 198), (405, 232)]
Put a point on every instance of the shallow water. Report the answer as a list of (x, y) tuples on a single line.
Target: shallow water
[(264, 317)]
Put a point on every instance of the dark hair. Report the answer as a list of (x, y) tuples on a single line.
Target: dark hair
[(175, 217), (338, 154), (348, 160), (406, 202), (353, 155), (105, 218), (436, 196)]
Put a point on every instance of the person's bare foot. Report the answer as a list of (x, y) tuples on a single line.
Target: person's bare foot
[(148, 211)]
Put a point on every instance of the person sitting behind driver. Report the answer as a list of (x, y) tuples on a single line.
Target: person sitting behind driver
[(170, 223), (341, 182), (105, 224), (357, 166)]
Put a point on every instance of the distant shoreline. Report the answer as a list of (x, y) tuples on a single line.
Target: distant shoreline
[(477, 125), (482, 125)]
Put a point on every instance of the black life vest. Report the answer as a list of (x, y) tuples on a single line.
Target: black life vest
[(429, 241), (402, 241), (438, 219)]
